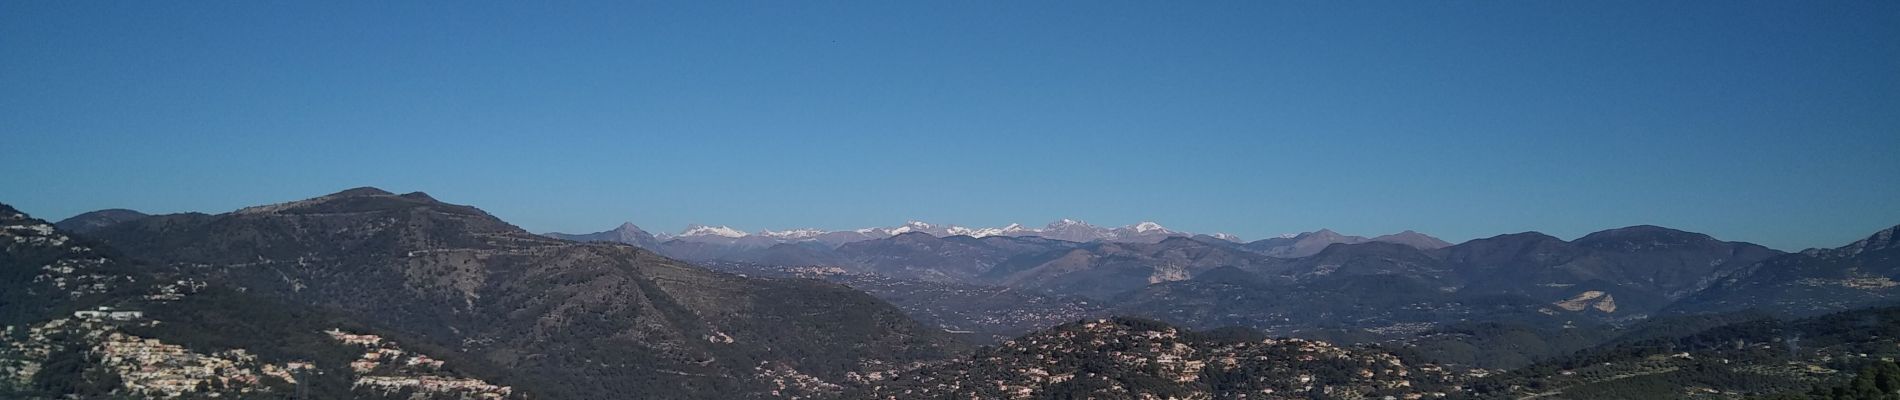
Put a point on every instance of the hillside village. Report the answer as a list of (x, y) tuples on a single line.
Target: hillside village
[(1131, 358)]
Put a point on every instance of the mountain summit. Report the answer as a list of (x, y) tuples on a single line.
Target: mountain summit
[(90, 221), (1064, 229), (625, 233), (562, 313)]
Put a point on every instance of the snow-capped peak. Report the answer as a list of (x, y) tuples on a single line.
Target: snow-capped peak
[(1226, 236), (1011, 230), (792, 234), (919, 226), (702, 230), (1149, 226), (1063, 229)]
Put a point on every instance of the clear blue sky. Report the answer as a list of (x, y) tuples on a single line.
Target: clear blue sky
[(1774, 122)]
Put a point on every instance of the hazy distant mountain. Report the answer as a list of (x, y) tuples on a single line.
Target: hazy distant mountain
[(1103, 270), (1073, 230), (1224, 236), (1531, 279), (1310, 243), (1302, 245), (1370, 258), (789, 254), (562, 315), (1391, 288), (703, 243), (1416, 240), (625, 233), (1066, 229), (1626, 271), (94, 220), (920, 255), (708, 234), (839, 238), (1144, 232), (1614, 274), (979, 313), (1814, 281)]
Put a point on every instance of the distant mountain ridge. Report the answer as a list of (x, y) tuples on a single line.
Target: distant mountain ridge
[(1291, 246), (567, 315), (1063, 229), (584, 316), (95, 220), (625, 233), (1624, 271), (1860, 274)]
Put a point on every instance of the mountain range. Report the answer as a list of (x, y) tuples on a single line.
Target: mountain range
[(1063, 229), (365, 293), (566, 315), (1405, 286)]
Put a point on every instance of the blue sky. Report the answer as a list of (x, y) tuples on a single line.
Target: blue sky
[(1772, 122)]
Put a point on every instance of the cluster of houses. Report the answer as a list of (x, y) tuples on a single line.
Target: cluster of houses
[(288, 372), (398, 370), (1279, 366), (77, 275), (36, 234), (153, 367), (73, 273), (789, 383), (175, 291), (107, 313), (469, 388), (20, 359)]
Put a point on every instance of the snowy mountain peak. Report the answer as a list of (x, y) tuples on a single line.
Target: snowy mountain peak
[(1226, 236), (1063, 229), (1149, 226), (792, 234), (1011, 230), (703, 230), (910, 226)]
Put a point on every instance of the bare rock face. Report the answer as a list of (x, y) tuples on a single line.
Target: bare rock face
[(1593, 299)]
